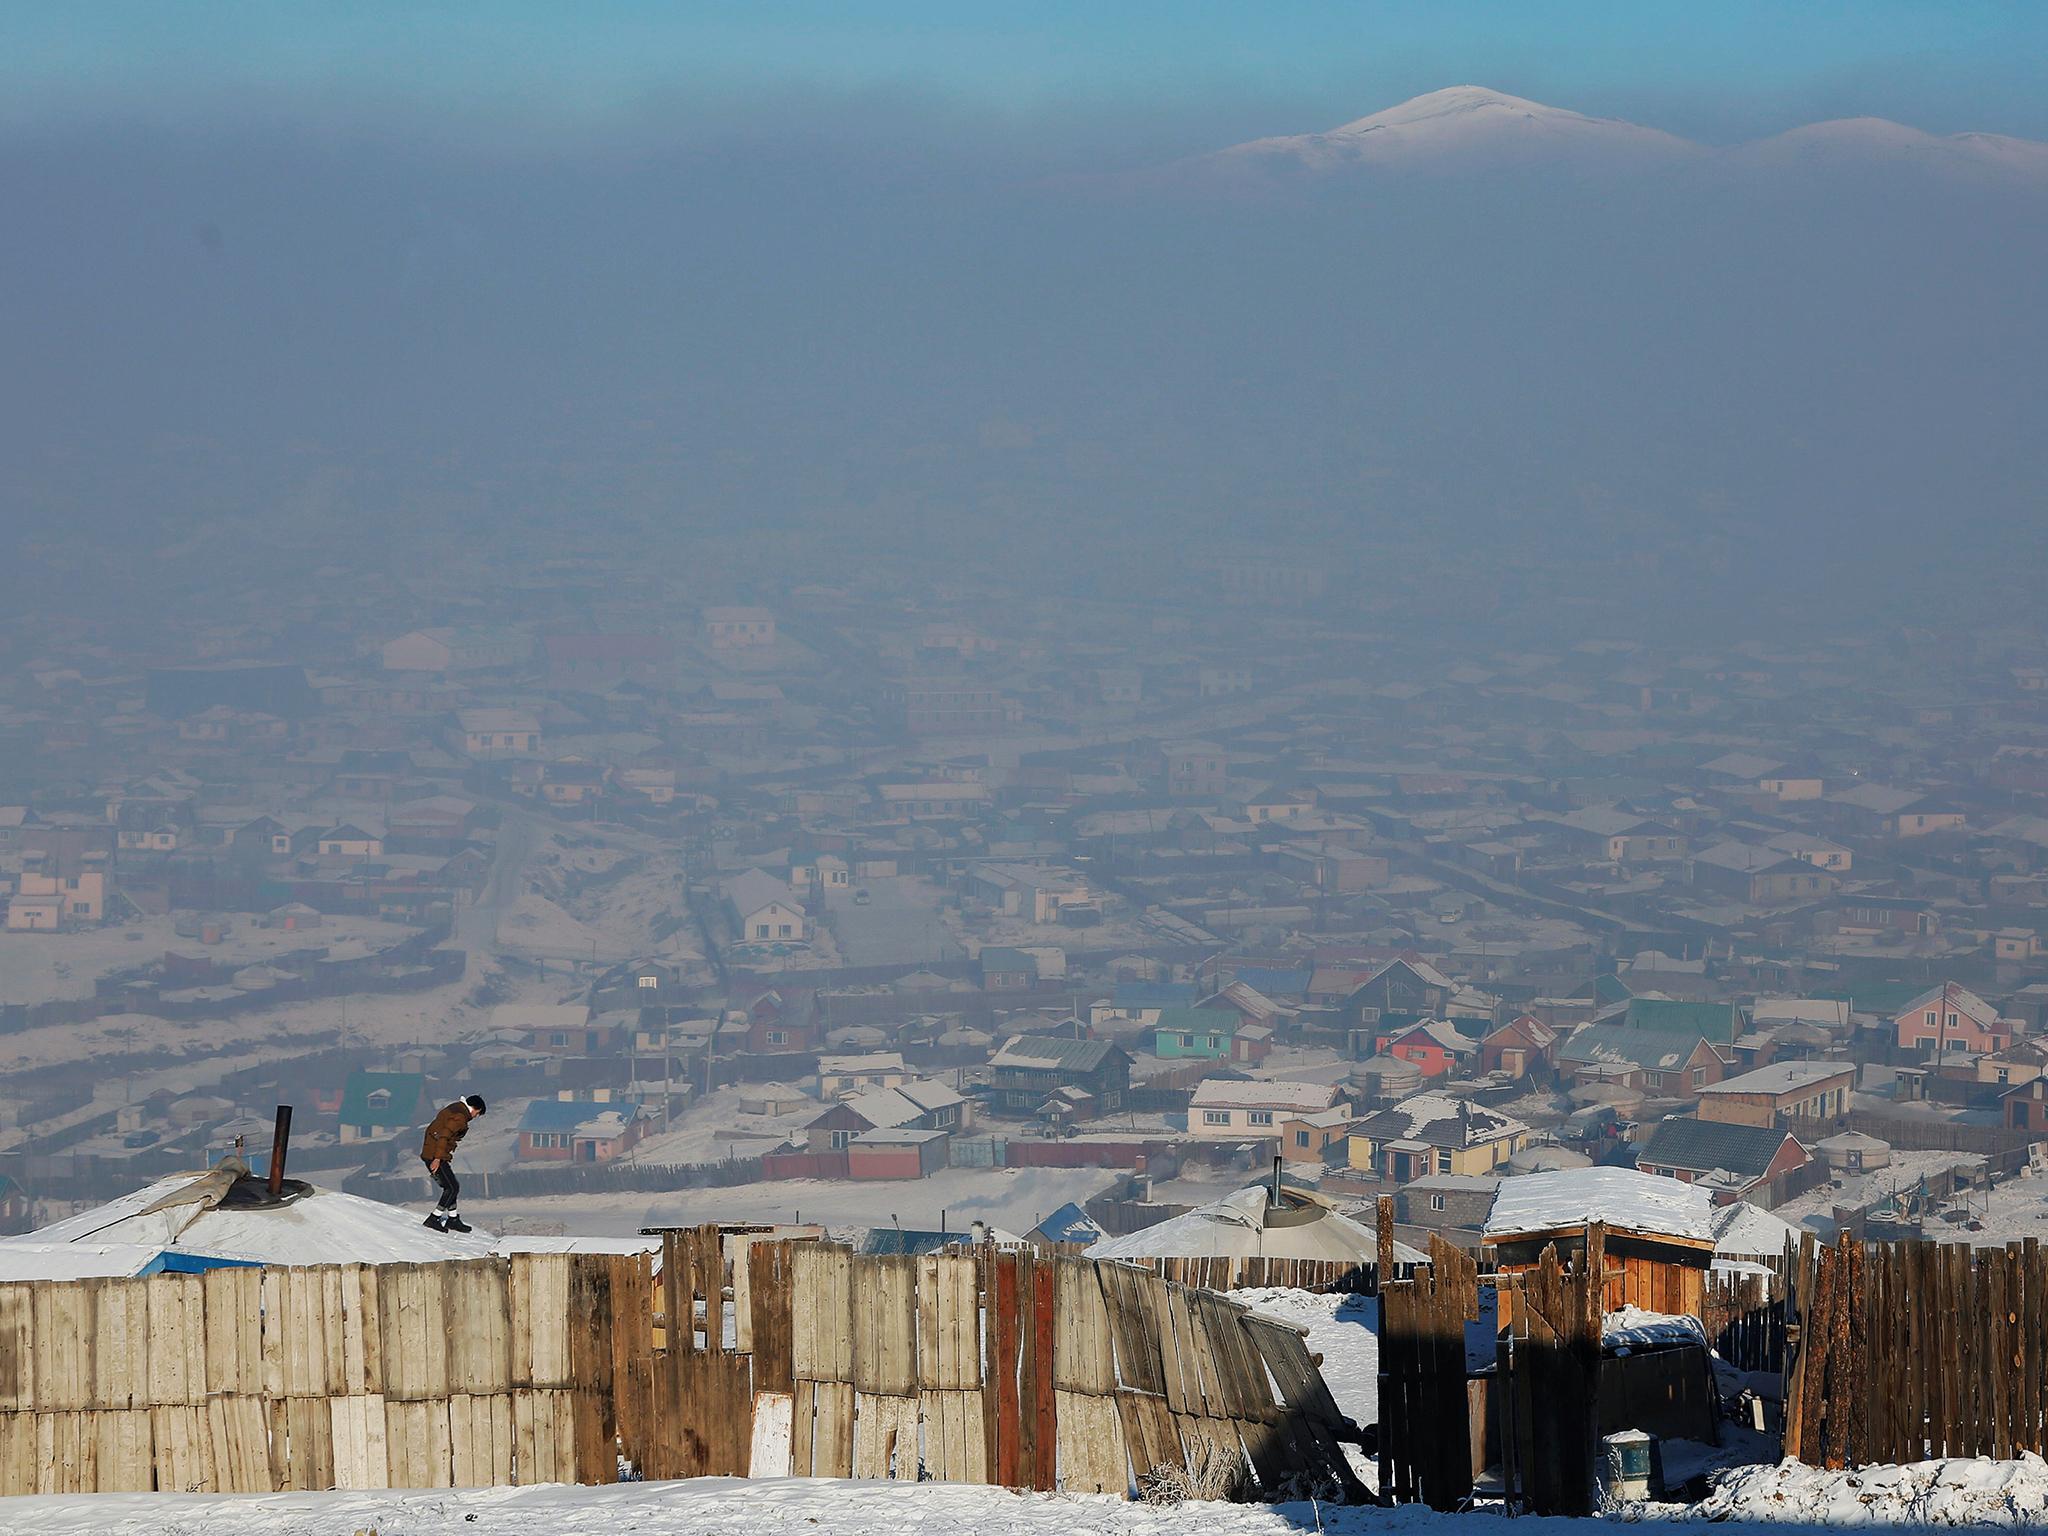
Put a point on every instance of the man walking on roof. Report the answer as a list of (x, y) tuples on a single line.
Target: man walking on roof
[(437, 1151)]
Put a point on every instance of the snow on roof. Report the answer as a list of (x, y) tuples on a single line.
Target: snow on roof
[(323, 1227), (1620, 1197), (1783, 1077), (1240, 1226), (1740, 1227), (1228, 1093), (1441, 1120)]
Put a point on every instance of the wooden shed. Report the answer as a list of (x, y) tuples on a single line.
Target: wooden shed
[(1659, 1232)]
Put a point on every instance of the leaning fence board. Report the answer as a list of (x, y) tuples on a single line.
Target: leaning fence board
[(1083, 1357)]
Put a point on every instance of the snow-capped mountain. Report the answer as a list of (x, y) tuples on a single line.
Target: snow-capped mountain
[(1464, 123), (1878, 140), (1471, 127)]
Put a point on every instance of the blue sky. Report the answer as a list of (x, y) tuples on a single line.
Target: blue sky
[(1716, 69)]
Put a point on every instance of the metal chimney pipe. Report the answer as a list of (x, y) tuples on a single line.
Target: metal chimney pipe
[(279, 1138)]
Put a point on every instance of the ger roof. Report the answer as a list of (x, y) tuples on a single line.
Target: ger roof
[(1623, 1198), (1698, 1145)]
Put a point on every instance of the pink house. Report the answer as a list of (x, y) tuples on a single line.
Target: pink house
[(1951, 1019)]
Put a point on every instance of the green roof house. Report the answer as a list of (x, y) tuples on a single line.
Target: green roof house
[(375, 1105)]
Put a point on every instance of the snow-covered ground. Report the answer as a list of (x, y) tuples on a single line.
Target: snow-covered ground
[(1905, 1170), (1778, 1497)]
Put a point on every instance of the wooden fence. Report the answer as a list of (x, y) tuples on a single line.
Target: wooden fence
[(978, 1366), (1913, 1350), (245, 1380), (776, 1358)]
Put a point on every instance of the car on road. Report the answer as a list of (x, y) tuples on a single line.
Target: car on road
[(861, 897)]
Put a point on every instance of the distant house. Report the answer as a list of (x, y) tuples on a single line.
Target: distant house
[(732, 629), (1669, 1063), (1761, 877), (352, 840), (1435, 1047), (465, 649), (2025, 1107), (1203, 1034), (1034, 892), (1234, 1109), (1276, 804), (1721, 1023), (375, 1105), (1621, 837), (1405, 988), (1517, 1047), (293, 915), (579, 1130), (1690, 1150), (1007, 970), (1951, 1019), (490, 734), (1433, 1133), (1308, 1138), (1880, 810), (2018, 1063), (918, 1105), (1194, 770), (556, 1028), (839, 1076), (761, 907), (1770, 1095), (1137, 1005), (573, 783), (1027, 1069)]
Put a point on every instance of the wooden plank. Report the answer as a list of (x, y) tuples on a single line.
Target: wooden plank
[(885, 1325), (1082, 1357), (590, 1364), (832, 1453), (885, 1441), (2033, 1358), (63, 1344), (1002, 1395), (1040, 1413), (802, 1425), (1092, 1458), (770, 1309), (17, 1352), (822, 1310)]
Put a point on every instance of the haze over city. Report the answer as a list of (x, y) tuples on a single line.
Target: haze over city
[(911, 673)]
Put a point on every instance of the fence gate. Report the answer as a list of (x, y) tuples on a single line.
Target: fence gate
[(1547, 1380)]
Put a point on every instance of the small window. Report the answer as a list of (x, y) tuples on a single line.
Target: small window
[(1436, 1202), (1443, 1161), (840, 1139), (649, 983), (1215, 1117), (1301, 1138), (1699, 1077), (1262, 1117)]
